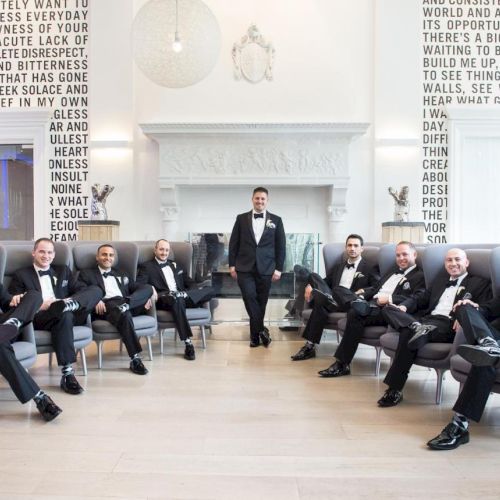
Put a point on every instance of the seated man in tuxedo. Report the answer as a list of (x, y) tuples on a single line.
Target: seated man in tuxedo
[(434, 320), (65, 303), (482, 331), (19, 311), (122, 299), (346, 283), (404, 279), (173, 290)]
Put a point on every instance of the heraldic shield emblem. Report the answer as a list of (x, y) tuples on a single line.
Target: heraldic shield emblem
[(253, 57)]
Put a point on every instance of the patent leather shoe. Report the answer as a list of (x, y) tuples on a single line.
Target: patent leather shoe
[(189, 353), (391, 397), (480, 355), (70, 385), (265, 338), (47, 408), (305, 352), (337, 369), (137, 367), (421, 336), (451, 437)]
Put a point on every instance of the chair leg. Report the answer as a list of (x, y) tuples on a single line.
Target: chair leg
[(121, 346), (150, 349), (203, 339), (161, 340), (50, 359), (338, 336), (83, 357), (99, 354), (439, 385), (378, 350)]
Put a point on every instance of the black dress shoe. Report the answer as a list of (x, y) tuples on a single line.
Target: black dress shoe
[(189, 352), (324, 298), (338, 369), (8, 332), (70, 385), (391, 397), (361, 307), (480, 355), (254, 343), (421, 336), (137, 367), (451, 437), (265, 338), (305, 352), (47, 408)]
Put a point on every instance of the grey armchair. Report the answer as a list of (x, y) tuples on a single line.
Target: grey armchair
[(126, 258)]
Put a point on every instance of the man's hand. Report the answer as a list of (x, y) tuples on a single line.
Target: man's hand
[(233, 273), (401, 307), (154, 297), (46, 304), (361, 291), (149, 304), (307, 293), (276, 275), (456, 325), (383, 300), (463, 303), (16, 300), (100, 308)]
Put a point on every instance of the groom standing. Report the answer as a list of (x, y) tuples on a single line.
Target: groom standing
[(256, 257)]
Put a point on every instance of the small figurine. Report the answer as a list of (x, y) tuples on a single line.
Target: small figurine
[(98, 206), (401, 204)]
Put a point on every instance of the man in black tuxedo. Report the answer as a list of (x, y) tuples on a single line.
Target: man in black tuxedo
[(256, 257), (122, 299), (404, 279), (481, 329), (66, 303), (433, 321), (346, 283), (174, 291), (19, 311)]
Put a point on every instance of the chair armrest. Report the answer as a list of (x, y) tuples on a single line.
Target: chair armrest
[(28, 334)]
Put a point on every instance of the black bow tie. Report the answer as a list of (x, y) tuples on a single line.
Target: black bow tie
[(400, 271), (44, 273), (258, 216), (109, 273), (349, 266), (452, 283), (163, 264)]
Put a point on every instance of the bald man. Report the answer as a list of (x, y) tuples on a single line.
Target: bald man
[(432, 318)]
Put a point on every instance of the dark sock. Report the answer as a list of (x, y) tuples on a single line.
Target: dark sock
[(461, 421)]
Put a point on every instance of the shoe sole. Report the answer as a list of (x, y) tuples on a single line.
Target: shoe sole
[(388, 405), (333, 375), (303, 358), (477, 356), (51, 417)]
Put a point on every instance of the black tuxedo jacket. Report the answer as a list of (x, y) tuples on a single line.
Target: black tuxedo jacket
[(150, 273), (407, 286), (63, 281), (426, 300), (93, 276), (364, 277), (266, 257)]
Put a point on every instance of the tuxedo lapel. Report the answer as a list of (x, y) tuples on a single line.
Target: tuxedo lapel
[(99, 279), (159, 271), (250, 226), (35, 280)]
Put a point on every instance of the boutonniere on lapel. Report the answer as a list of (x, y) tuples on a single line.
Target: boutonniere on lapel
[(358, 275), (64, 283), (54, 279), (270, 224), (402, 280), (174, 265), (406, 286), (460, 289)]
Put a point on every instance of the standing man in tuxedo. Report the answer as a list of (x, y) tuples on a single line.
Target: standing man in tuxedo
[(122, 299), (256, 257), (434, 320), (66, 303), (173, 291), (345, 283), (481, 329), (19, 311), (404, 279)]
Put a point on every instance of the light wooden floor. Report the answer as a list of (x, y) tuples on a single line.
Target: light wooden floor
[(240, 423)]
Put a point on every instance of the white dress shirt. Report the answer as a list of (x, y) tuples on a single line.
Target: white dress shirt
[(45, 284), (110, 285), (348, 274), (390, 285), (447, 299), (169, 276), (258, 225)]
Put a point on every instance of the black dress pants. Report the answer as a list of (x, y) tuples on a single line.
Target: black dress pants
[(255, 293), (21, 382), (479, 384), (61, 326), (404, 357), (123, 321), (178, 305)]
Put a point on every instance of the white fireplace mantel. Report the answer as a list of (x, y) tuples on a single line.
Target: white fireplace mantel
[(241, 154)]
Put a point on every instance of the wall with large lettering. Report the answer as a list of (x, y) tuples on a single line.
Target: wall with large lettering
[(44, 63)]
